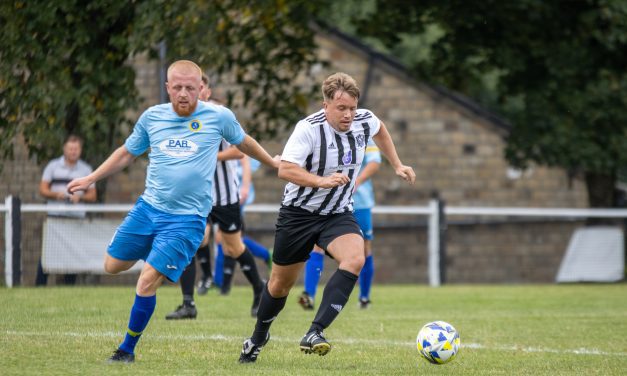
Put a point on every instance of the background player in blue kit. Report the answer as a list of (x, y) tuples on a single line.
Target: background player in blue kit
[(167, 223), (363, 202)]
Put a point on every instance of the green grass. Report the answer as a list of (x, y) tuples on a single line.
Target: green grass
[(505, 330)]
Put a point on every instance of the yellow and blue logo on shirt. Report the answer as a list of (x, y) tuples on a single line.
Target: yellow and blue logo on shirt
[(195, 125)]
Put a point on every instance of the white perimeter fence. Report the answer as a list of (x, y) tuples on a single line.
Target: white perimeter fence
[(436, 213)]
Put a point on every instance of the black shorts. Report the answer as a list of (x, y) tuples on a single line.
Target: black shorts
[(297, 230), (228, 217)]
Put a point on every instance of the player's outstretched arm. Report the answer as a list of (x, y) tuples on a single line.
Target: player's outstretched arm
[(251, 147), (386, 145), (229, 154), (119, 159), (296, 174)]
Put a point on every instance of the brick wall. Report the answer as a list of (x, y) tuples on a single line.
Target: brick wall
[(498, 252)]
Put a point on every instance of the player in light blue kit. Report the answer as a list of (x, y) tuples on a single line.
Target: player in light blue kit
[(167, 223), (363, 202)]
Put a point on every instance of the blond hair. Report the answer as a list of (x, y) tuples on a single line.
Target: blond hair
[(339, 82), (186, 66)]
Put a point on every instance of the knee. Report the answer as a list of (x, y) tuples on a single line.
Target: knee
[(278, 289), (233, 245), (354, 264), (360, 261), (145, 287), (110, 267)]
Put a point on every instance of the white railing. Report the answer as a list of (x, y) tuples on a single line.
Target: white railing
[(537, 212), (432, 211)]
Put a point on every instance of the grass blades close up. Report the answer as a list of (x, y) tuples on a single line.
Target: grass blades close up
[(505, 330)]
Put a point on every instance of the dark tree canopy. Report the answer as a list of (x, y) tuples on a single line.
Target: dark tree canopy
[(554, 69), (558, 69), (64, 64)]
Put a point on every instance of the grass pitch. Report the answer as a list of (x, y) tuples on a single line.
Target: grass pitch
[(505, 330)]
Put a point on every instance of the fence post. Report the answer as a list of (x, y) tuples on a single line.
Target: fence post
[(442, 227), (434, 241), (8, 243), (12, 239), (16, 218)]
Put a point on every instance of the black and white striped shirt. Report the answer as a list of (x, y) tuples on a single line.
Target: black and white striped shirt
[(321, 150), (225, 182)]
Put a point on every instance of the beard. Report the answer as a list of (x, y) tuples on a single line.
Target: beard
[(184, 111)]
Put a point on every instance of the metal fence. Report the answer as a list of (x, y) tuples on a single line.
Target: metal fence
[(436, 217)]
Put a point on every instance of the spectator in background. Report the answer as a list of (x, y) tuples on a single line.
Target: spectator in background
[(57, 174)]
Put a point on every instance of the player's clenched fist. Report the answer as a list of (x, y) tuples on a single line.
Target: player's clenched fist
[(79, 184), (333, 180), (407, 173)]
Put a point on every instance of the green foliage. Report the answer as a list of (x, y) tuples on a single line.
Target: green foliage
[(505, 330), (556, 70), (62, 69), (263, 45), (64, 64)]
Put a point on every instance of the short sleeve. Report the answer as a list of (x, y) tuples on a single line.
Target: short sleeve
[(299, 145), (375, 124), (138, 142), (47, 175), (232, 130)]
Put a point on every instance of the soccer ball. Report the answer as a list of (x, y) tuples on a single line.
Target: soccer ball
[(438, 342)]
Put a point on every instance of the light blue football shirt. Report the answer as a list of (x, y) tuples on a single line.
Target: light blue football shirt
[(363, 198), (183, 154)]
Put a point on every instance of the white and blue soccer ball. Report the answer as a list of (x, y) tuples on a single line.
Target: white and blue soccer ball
[(438, 342)]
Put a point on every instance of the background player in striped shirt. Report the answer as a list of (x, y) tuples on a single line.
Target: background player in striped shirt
[(320, 162), (245, 167), (363, 202)]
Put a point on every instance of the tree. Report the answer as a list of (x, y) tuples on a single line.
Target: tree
[(64, 64), (558, 68)]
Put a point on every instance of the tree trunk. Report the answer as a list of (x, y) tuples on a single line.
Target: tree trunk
[(601, 189), (601, 194)]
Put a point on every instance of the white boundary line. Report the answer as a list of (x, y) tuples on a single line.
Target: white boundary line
[(348, 341)]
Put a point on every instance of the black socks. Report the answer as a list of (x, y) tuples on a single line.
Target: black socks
[(188, 279), (269, 309), (334, 298), (249, 268)]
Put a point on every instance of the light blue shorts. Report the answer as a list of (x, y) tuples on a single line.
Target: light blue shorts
[(364, 220), (165, 241)]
